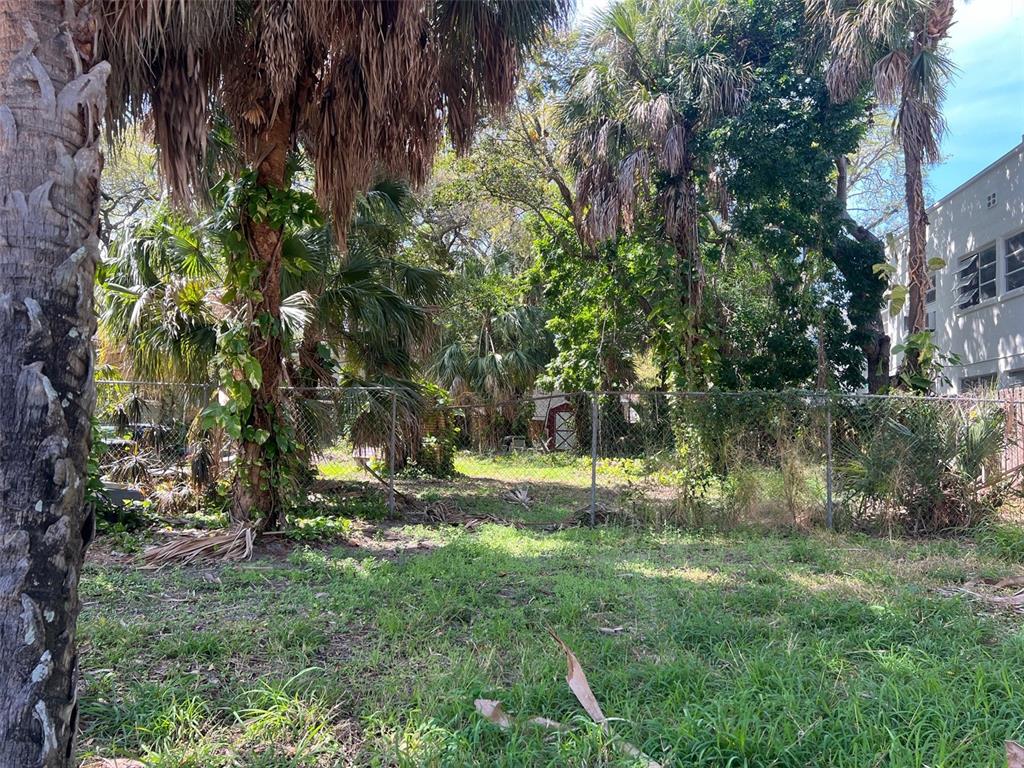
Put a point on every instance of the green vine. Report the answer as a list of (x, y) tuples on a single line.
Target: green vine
[(239, 375)]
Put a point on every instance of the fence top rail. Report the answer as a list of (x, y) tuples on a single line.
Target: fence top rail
[(821, 395), (211, 386)]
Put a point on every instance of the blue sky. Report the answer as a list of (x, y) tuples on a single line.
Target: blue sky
[(985, 104)]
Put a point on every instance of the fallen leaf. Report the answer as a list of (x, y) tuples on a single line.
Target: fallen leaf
[(1012, 581), (577, 681), (492, 710), (1014, 755), (113, 762), (578, 684), (543, 722), (610, 630)]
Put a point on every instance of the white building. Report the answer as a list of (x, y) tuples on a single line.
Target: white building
[(976, 305)]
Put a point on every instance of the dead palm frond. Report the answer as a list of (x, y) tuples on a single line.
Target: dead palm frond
[(368, 86), (653, 76), (235, 544)]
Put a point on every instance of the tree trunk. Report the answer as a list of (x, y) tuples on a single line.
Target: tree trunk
[(256, 495), (877, 347), (876, 353), (50, 106), (917, 233)]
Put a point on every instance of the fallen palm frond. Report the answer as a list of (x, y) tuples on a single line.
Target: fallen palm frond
[(448, 513), (519, 495), (492, 710), (987, 591), (235, 544)]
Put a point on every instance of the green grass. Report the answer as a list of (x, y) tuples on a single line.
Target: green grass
[(738, 650), (642, 491)]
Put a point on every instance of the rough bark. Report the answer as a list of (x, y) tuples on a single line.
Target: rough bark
[(917, 232), (255, 497), (877, 355), (51, 99)]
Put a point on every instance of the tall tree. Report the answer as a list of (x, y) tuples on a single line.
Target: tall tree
[(52, 97), (364, 87), (896, 47), (655, 77)]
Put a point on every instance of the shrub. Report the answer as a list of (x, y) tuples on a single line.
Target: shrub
[(921, 465)]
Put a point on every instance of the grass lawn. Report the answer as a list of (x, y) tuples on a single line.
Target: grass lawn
[(742, 650)]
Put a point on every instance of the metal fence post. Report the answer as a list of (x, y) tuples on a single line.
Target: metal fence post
[(828, 463), (392, 446), (594, 411)]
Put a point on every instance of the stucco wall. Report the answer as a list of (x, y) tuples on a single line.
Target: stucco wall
[(988, 337)]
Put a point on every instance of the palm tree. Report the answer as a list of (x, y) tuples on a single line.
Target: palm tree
[(364, 87), (159, 297), (491, 370), (52, 94), (358, 317), (654, 78), (896, 47)]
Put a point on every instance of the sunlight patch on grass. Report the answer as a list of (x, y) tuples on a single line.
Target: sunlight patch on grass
[(692, 574)]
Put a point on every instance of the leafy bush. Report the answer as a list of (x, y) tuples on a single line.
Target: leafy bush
[(921, 465)]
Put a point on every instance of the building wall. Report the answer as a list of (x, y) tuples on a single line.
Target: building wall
[(987, 337)]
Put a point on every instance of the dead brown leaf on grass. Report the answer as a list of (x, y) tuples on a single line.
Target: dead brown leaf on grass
[(1014, 755), (492, 710), (577, 681)]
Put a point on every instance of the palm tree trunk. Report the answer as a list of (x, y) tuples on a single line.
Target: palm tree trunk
[(917, 233), (50, 104), (256, 494)]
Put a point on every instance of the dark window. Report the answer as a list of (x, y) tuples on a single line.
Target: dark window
[(976, 278), (1015, 261), (978, 383)]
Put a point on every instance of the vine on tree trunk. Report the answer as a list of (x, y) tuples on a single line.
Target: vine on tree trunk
[(269, 457)]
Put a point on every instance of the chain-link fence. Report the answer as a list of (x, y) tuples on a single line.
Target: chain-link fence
[(697, 459)]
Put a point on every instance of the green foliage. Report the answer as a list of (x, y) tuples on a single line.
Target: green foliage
[(318, 528), (921, 465), (932, 362), (435, 454)]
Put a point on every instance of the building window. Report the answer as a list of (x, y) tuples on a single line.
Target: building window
[(977, 384), (1015, 378), (990, 201), (1015, 262), (976, 278)]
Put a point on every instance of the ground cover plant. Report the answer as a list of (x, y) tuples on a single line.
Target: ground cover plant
[(743, 649)]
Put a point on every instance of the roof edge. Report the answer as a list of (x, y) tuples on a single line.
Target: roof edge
[(1019, 148)]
